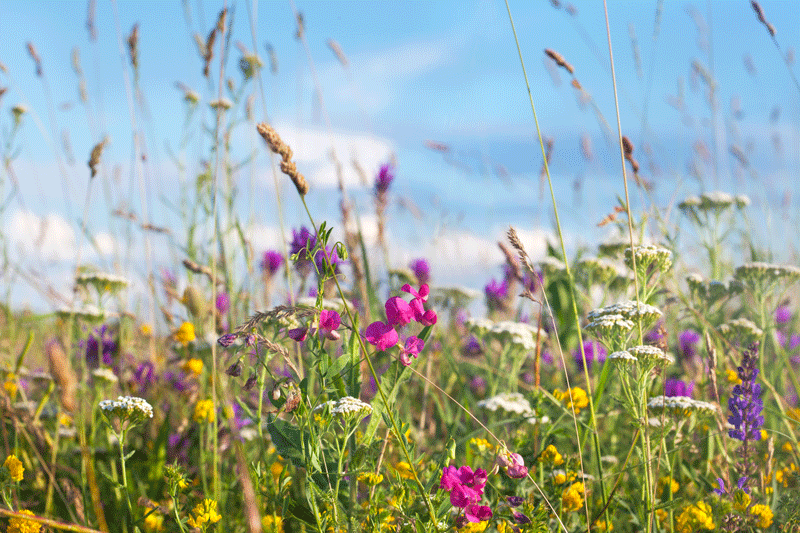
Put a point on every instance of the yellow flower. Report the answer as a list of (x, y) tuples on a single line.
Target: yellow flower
[(480, 445), (551, 456), (600, 525), (763, 513), (733, 377), (21, 525), (787, 446), (572, 497), (560, 478), (154, 522), (204, 411), (10, 386), (741, 501), (370, 478), (14, 467), (276, 470), (146, 330), (694, 518), (764, 435), (194, 366), (272, 524), (664, 482), (794, 413), (575, 396), (204, 512), (185, 333), (474, 527), (404, 470)]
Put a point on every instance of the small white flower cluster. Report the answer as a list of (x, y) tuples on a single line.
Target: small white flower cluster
[(517, 333), (628, 310), (347, 407), (510, 402), (765, 272), (605, 324), (87, 312), (740, 327), (712, 290), (105, 374), (221, 103), (332, 305), (681, 405), (600, 268), (101, 279), (128, 408), (651, 355), (623, 357), (713, 201), (648, 255)]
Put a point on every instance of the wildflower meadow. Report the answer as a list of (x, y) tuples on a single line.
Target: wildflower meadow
[(648, 382)]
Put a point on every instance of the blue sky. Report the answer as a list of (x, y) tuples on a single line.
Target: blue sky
[(443, 71)]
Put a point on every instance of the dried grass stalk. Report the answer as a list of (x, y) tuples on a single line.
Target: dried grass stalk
[(63, 375), (559, 59), (288, 167), (761, 18)]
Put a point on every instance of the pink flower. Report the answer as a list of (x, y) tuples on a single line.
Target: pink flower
[(413, 346), (513, 464), (381, 335), (398, 312), (466, 489), (423, 293), (298, 334), (329, 322), (477, 513), (426, 318)]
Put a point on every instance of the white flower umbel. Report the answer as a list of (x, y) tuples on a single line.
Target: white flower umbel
[(102, 280), (681, 406), (647, 256), (715, 201), (127, 408), (87, 312), (105, 374), (510, 402), (741, 329), (651, 356), (348, 408)]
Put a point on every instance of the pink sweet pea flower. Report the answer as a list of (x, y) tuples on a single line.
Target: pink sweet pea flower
[(477, 513), (423, 293), (329, 322), (398, 312), (381, 335), (413, 346), (466, 490), (513, 464)]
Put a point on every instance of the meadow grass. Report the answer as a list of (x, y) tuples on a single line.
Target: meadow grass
[(320, 387)]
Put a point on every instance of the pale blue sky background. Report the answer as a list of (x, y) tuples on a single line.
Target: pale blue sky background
[(442, 71)]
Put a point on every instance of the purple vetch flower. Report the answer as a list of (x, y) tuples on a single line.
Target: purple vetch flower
[(688, 340), (594, 351), (329, 322), (227, 340), (144, 376), (472, 347), (745, 406), (655, 334), (676, 387), (384, 178), (333, 256), (422, 270), (783, 314), (271, 262)]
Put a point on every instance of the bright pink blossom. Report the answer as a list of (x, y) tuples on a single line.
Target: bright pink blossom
[(329, 322), (466, 489), (398, 312), (477, 513), (513, 464), (413, 346), (381, 335)]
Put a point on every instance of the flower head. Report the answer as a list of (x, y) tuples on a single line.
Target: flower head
[(381, 335), (127, 408), (271, 262), (421, 269), (384, 178), (14, 467), (21, 525), (688, 340), (676, 387), (204, 411), (329, 322), (413, 346), (496, 294), (185, 333), (593, 351), (100, 346), (466, 489), (204, 513)]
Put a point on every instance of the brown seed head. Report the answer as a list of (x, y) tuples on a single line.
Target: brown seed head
[(559, 59), (627, 146), (63, 374), (36, 59)]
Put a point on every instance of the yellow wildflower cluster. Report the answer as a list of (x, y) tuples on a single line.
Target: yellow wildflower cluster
[(204, 411), (272, 524), (21, 525), (15, 468), (10, 386), (732, 377), (370, 478), (185, 333), (665, 482), (403, 469), (574, 397), (480, 445), (204, 513), (193, 366), (154, 522), (474, 527), (695, 518), (601, 525), (572, 497), (763, 514), (784, 475), (550, 456)]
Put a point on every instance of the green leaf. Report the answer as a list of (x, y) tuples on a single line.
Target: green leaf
[(390, 383)]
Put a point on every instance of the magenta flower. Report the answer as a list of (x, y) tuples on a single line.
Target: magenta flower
[(271, 262), (398, 312), (466, 489), (329, 322), (512, 464), (413, 346), (783, 314), (298, 334), (688, 340), (381, 335), (426, 318), (421, 269), (384, 178), (676, 387), (223, 303)]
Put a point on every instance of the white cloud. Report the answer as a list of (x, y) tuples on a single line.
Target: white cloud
[(48, 238), (312, 150), (264, 238), (106, 244)]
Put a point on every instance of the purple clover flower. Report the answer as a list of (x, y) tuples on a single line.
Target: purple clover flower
[(676, 387), (594, 352), (271, 262), (496, 294), (783, 314), (688, 340), (223, 303), (422, 270), (384, 178)]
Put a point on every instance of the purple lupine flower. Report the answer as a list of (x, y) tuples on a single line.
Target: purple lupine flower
[(745, 405), (384, 178), (594, 351), (271, 262), (688, 340), (676, 387), (496, 294), (422, 270), (783, 314), (100, 346)]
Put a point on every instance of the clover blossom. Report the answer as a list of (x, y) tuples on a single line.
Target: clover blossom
[(271, 262), (421, 269), (687, 341), (384, 178)]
